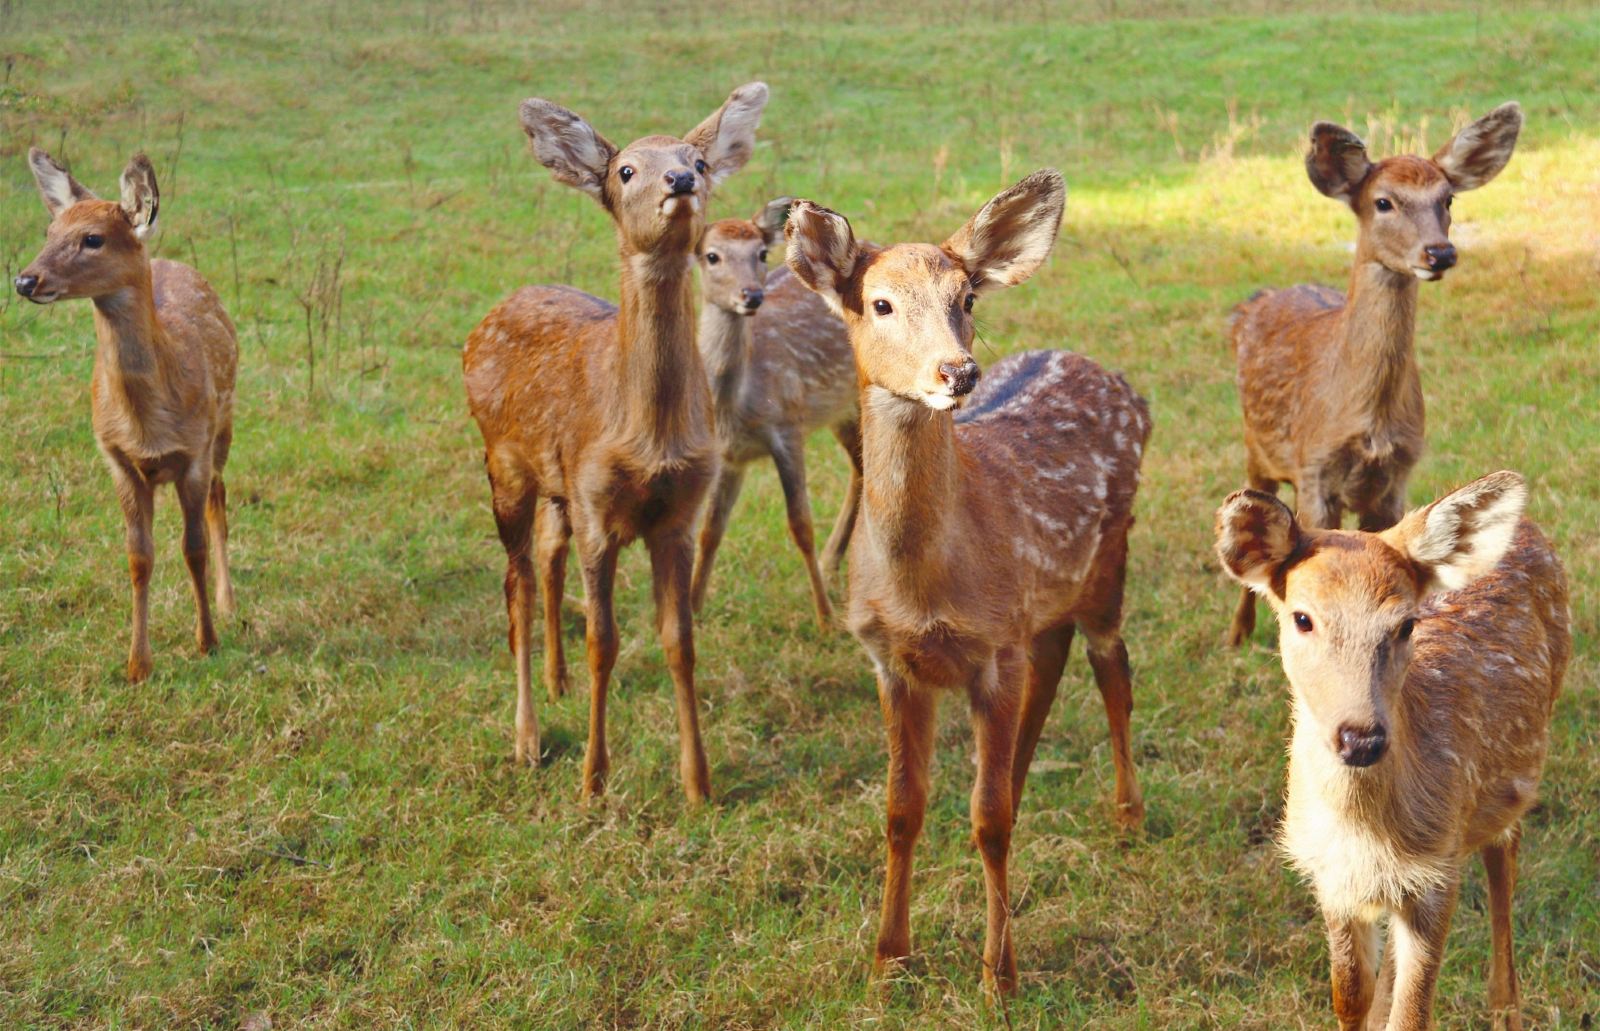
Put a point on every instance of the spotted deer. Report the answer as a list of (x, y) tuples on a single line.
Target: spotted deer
[(1424, 662), (986, 535), (780, 366), (1328, 381), (596, 419), (162, 387)]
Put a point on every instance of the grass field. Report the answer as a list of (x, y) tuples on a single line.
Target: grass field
[(322, 823)]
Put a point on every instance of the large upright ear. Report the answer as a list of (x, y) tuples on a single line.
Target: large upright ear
[(1481, 150), (822, 250), (1337, 161), (1256, 535), (1463, 535), (1007, 241), (728, 137), (771, 218), (56, 186), (568, 146), (140, 198)]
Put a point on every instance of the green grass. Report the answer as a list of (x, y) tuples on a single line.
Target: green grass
[(323, 823)]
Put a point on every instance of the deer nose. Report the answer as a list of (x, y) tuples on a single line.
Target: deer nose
[(1362, 746), (752, 298), (1441, 257), (26, 284), (961, 378), (680, 182)]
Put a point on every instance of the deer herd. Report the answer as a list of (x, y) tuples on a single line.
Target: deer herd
[(988, 513)]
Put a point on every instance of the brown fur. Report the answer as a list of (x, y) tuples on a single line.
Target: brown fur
[(162, 391)]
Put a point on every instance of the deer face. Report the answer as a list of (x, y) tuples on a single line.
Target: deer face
[(93, 247), (1348, 602), (908, 308), (733, 258)]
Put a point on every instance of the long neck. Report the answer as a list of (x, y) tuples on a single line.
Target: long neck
[(725, 343), (1379, 330), (661, 393), (910, 477), (131, 347)]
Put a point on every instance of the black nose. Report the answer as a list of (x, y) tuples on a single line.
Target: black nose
[(752, 298), (1441, 257), (680, 182), (1362, 746), (962, 378), (26, 284)]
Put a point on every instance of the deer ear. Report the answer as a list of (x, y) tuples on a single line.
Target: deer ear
[(141, 200), (1337, 161), (728, 137), (822, 251), (1477, 153), (1256, 535), (1011, 236), (1463, 535), (771, 218), (568, 146), (57, 188)]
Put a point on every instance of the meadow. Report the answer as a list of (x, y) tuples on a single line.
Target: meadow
[(322, 826)]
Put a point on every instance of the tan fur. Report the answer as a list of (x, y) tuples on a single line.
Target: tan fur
[(986, 537), (1464, 701), (778, 371), (1328, 383), (163, 381), (596, 420)]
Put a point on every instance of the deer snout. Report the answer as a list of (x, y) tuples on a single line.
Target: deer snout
[(960, 377), (752, 298), (680, 182), (1440, 256), (1362, 746), (26, 284)]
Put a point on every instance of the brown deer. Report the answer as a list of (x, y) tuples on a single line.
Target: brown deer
[(164, 364), (775, 377), (596, 419), (1424, 662), (985, 537), (1328, 381)]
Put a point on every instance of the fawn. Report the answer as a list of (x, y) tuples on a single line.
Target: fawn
[(164, 367), (1424, 662), (775, 376), (1328, 381), (597, 421), (985, 537)]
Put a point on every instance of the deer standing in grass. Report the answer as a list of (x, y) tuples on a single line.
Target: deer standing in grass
[(164, 365), (1424, 663), (596, 419), (775, 376), (1328, 381), (985, 537)]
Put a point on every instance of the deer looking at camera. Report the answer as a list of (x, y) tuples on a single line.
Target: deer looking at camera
[(780, 366), (1424, 663), (985, 537), (163, 376), (596, 419), (1328, 381)]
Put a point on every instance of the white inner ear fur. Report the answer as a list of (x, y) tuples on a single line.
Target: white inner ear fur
[(567, 145), (736, 132), (1031, 211), (1465, 535), (822, 251)]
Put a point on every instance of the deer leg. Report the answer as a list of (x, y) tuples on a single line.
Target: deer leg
[(994, 697), (1101, 623), (1417, 935), (1047, 657), (671, 554), (1244, 617), (723, 496), (513, 517), (1352, 947), (194, 489), (1383, 1000), (1500, 863), (1387, 510), (217, 532), (908, 719), (788, 453), (849, 436), (552, 534), (599, 565), (138, 502)]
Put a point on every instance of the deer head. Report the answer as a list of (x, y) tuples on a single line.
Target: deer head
[(733, 257), (93, 247)]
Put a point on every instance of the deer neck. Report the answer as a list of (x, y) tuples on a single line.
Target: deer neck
[(725, 340), (1378, 331), (910, 478), (132, 353), (661, 404)]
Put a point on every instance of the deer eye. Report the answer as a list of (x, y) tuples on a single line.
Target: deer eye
[(625, 173), (761, 255), (1406, 628), (712, 257), (967, 304), (1449, 200), (1384, 204), (700, 166), (1302, 622), (94, 241), (882, 307)]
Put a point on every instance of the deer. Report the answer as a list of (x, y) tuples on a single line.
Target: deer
[(597, 419), (1328, 382), (163, 381), (1424, 661), (994, 523), (780, 366)]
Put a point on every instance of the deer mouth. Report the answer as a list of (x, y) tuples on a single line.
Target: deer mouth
[(942, 400), (1427, 275), (680, 204)]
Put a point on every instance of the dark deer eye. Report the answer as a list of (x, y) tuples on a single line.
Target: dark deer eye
[(700, 166), (1406, 628), (761, 255), (882, 307), (1383, 204), (712, 257), (1302, 622), (1449, 201), (967, 304), (94, 241), (625, 173)]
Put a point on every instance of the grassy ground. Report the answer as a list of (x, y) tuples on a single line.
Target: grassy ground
[(322, 823)]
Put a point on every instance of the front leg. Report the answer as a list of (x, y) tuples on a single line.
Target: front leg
[(671, 554), (1352, 948), (597, 555), (908, 719), (995, 697), (788, 453), (194, 490), (849, 435), (730, 478), (1417, 935), (137, 499)]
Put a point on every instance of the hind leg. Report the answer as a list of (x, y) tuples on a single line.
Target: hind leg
[(1101, 623), (1244, 617), (1500, 863), (514, 500), (217, 524), (552, 532), (849, 436), (1047, 657)]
